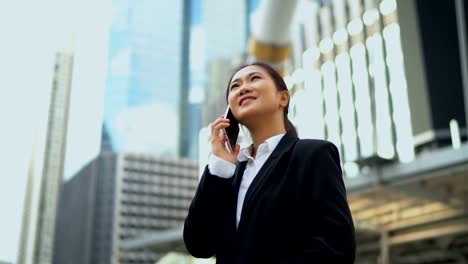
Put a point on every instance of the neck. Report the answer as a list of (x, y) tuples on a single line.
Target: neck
[(262, 131)]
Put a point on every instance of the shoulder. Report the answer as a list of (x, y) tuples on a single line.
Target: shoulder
[(310, 150), (312, 146)]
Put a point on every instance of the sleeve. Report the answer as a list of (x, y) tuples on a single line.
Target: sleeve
[(203, 222), (327, 234), (220, 167)]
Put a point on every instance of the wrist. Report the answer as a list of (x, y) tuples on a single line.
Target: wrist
[(229, 158)]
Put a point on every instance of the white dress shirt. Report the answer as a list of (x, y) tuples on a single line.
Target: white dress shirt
[(225, 169)]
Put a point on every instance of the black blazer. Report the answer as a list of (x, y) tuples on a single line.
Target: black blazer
[(295, 210)]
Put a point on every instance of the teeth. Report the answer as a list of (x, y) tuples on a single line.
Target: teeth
[(246, 100)]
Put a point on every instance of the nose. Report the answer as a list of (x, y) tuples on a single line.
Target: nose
[(244, 89)]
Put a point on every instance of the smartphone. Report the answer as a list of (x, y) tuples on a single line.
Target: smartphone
[(231, 133)]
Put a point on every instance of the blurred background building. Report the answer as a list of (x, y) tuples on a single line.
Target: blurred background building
[(118, 197), (147, 80), (46, 168), (385, 80)]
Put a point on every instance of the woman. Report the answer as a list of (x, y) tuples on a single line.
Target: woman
[(281, 200)]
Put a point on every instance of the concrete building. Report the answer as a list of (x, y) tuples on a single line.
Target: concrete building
[(87, 204), (46, 170), (118, 197)]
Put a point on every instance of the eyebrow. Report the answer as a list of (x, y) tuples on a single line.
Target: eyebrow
[(248, 75)]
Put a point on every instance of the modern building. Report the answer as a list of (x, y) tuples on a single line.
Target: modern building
[(435, 69), (346, 84), (225, 25), (87, 203), (387, 82), (46, 171), (147, 80), (118, 197), (372, 76)]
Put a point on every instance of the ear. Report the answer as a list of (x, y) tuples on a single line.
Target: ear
[(284, 98)]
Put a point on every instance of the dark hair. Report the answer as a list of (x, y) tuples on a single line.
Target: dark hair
[(280, 86)]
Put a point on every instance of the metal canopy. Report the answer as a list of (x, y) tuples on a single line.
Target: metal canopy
[(162, 242), (421, 208)]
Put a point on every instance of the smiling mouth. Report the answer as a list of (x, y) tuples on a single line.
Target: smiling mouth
[(246, 100)]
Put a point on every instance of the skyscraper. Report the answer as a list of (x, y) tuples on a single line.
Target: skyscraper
[(117, 197), (188, 111), (46, 171), (225, 24), (145, 76), (352, 88)]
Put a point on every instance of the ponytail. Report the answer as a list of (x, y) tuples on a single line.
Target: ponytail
[(288, 125)]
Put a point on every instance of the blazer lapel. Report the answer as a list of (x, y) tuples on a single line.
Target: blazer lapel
[(238, 173), (263, 174)]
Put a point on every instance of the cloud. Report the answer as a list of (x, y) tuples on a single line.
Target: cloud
[(151, 128), (119, 64)]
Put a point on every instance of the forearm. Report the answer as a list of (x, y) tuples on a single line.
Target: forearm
[(205, 213)]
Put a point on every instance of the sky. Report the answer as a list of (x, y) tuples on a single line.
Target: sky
[(32, 37), (31, 32)]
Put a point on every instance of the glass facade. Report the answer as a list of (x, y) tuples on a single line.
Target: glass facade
[(143, 88)]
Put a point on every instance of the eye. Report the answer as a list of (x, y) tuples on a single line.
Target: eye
[(255, 77), (234, 86)]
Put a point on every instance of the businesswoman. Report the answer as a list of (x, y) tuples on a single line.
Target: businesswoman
[(281, 200)]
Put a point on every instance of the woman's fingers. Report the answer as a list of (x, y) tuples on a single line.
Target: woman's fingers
[(218, 125), (218, 140)]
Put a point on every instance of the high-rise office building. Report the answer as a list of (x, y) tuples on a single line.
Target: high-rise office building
[(146, 79), (46, 171), (377, 78), (117, 197), (189, 113), (352, 87), (434, 69), (225, 25)]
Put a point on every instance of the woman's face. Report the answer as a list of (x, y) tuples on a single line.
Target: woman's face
[(252, 93)]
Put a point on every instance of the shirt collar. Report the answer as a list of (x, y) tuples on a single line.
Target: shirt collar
[(266, 147)]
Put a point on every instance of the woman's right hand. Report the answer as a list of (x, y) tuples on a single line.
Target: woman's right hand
[(218, 140)]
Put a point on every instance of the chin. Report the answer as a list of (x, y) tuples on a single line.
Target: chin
[(246, 115)]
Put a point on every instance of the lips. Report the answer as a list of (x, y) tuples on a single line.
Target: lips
[(246, 99)]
